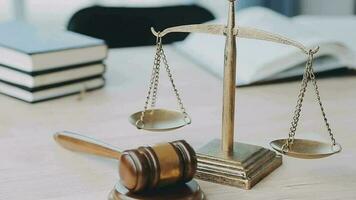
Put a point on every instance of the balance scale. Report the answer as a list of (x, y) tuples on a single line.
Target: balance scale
[(225, 161)]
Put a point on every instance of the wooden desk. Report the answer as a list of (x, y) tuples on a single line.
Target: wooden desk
[(33, 167)]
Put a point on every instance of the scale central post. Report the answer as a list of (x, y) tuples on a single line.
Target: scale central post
[(228, 116), (225, 161)]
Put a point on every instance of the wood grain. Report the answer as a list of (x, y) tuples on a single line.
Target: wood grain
[(79, 143), (33, 166)]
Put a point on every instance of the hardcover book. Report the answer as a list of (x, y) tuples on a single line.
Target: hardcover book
[(51, 92), (46, 78), (31, 49)]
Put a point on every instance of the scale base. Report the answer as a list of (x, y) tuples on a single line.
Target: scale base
[(188, 191), (244, 168)]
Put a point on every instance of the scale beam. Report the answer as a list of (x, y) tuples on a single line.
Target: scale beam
[(240, 32), (195, 28), (253, 33)]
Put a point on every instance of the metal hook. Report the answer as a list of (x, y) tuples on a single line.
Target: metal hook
[(140, 124), (285, 148), (336, 148), (187, 119), (155, 33), (314, 51)]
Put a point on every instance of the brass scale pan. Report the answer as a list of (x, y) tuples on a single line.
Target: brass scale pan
[(160, 120), (306, 149)]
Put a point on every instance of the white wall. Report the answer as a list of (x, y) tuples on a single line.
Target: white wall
[(327, 7), (6, 10), (309, 7), (218, 7)]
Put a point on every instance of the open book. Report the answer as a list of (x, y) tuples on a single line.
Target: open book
[(260, 61)]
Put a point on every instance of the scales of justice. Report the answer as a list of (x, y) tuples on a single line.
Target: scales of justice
[(223, 160)]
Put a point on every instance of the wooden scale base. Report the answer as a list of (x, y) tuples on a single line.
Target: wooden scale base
[(244, 168), (188, 191)]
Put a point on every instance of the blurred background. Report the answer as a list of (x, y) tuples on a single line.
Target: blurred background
[(55, 14), (49, 27)]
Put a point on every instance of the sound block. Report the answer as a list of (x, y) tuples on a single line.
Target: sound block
[(187, 191)]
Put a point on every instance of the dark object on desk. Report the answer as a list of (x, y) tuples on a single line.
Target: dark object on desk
[(127, 27), (142, 169)]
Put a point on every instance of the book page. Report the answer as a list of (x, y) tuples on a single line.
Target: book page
[(336, 28), (256, 60)]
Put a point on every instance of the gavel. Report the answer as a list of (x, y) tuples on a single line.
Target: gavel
[(144, 168)]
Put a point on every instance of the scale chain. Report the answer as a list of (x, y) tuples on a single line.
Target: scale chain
[(154, 83), (298, 108), (316, 88), (309, 75), (152, 91), (157, 74), (170, 76)]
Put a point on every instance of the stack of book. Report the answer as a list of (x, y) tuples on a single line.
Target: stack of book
[(38, 65)]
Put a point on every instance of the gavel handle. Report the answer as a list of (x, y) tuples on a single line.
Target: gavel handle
[(80, 143)]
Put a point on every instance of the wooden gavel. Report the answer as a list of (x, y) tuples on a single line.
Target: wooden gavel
[(143, 168)]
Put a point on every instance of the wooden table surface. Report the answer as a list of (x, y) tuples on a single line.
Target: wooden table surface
[(33, 166)]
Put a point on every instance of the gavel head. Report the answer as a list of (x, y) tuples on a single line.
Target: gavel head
[(165, 164)]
